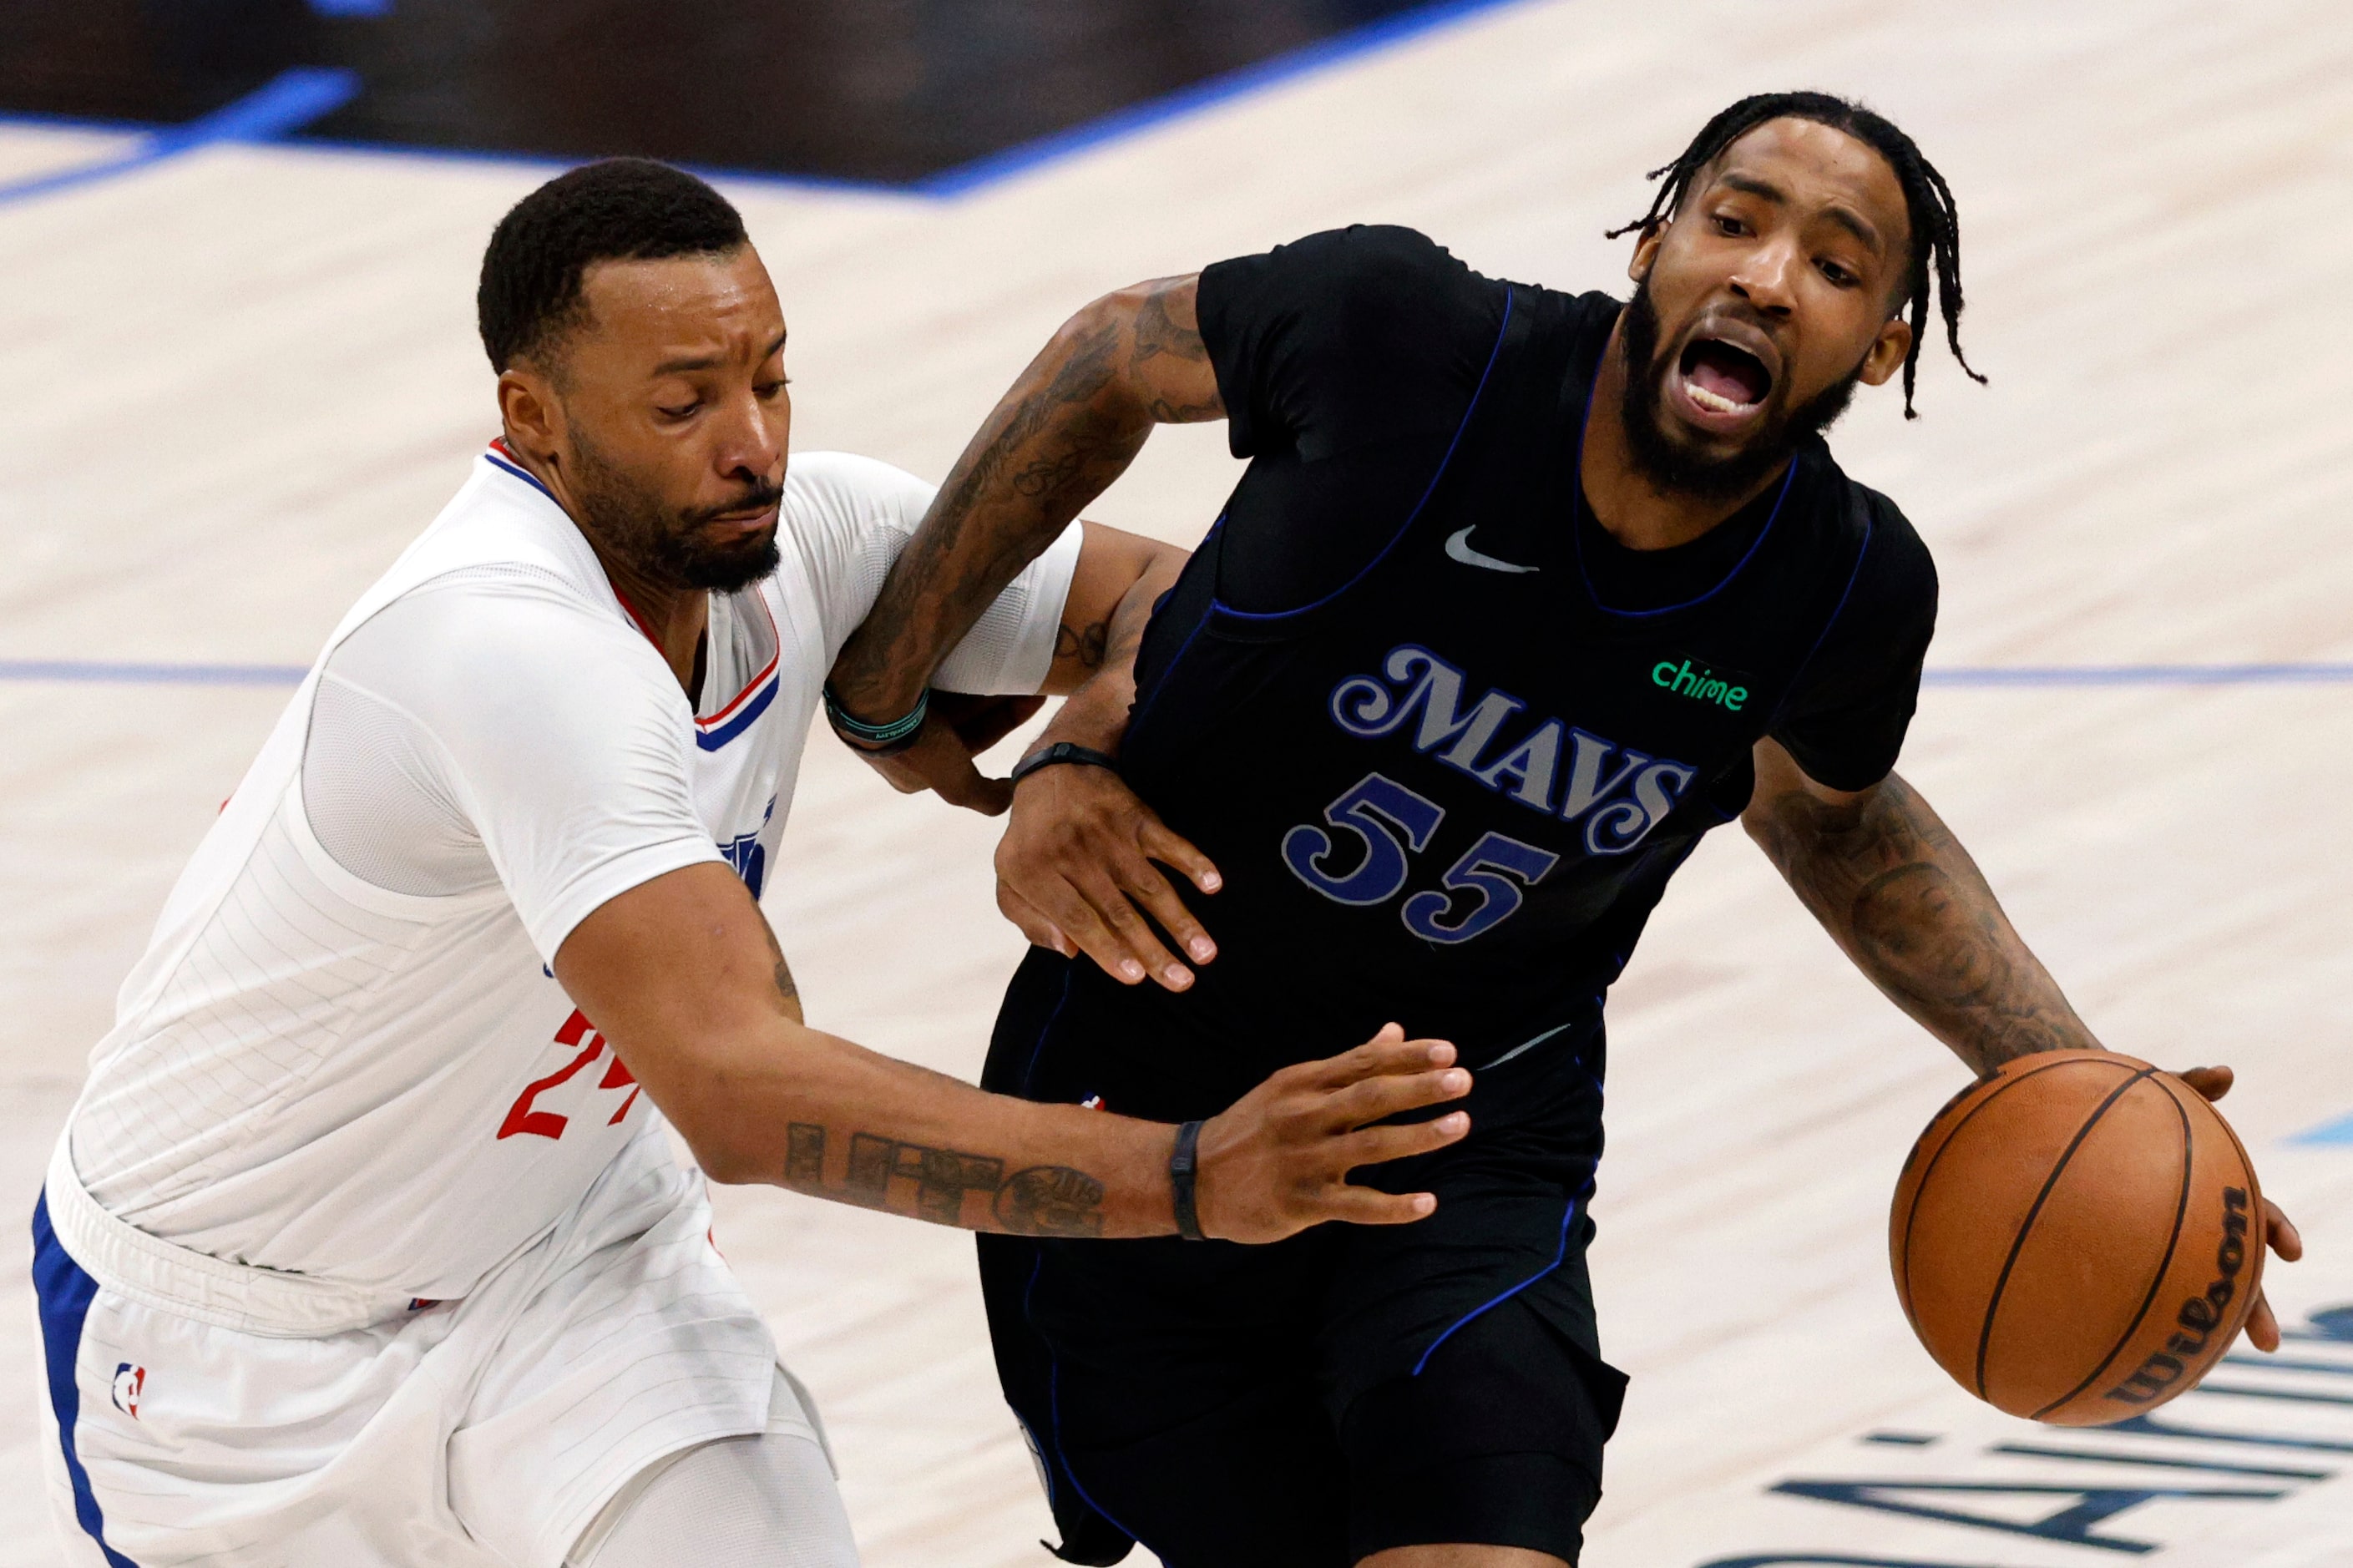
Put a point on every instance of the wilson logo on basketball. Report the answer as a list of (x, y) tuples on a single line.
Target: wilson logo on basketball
[(2200, 1316)]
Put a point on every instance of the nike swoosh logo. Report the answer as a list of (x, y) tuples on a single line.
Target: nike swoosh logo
[(1458, 547)]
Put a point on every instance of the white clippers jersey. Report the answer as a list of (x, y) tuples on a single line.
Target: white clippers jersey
[(319, 1067)]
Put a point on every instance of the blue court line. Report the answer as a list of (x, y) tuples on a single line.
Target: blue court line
[(1120, 123), (963, 180), (2140, 675), (106, 672), (103, 672), (2337, 1132), (289, 101)]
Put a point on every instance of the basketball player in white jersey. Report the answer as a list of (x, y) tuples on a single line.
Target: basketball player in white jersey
[(364, 1244)]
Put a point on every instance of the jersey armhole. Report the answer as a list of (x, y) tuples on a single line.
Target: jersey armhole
[(1271, 619)]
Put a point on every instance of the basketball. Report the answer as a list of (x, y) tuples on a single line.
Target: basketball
[(2078, 1238)]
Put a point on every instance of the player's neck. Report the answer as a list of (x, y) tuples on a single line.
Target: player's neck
[(1635, 511), (673, 619)]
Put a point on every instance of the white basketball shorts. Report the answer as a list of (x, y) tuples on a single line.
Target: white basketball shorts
[(200, 1412)]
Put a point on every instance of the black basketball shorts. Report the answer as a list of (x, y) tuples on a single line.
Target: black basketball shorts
[(1351, 1389)]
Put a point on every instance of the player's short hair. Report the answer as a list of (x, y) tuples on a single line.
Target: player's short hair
[(1936, 216), (622, 209)]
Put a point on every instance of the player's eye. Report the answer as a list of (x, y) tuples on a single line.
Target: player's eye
[(766, 390), (1730, 226), (1838, 276), (682, 411)]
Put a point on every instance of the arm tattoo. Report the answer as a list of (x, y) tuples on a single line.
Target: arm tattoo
[(1887, 879), (786, 989), (1067, 429), (1158, 331), (1086, 644), (931, 1183)]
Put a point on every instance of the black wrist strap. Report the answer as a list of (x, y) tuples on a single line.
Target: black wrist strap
[(1184, 1164), (1062, 751)]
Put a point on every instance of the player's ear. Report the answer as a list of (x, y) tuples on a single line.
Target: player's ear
[(527, 406), (1646, 251), (1887, 352)]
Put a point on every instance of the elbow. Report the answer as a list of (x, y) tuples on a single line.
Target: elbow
[(727, 1167), (723, 1159), (1086, 360)]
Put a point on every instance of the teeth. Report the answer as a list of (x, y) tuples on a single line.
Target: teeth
[(1715, 403)]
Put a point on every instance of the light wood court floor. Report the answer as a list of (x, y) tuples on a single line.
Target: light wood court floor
[(233, 383)]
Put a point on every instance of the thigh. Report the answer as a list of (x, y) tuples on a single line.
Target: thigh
[(761, 1501), (582, 1376), (1169, 1388), (1495, 1441), (1461, 1358)]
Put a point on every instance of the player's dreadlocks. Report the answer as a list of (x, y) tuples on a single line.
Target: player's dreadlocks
[(1936, 217)]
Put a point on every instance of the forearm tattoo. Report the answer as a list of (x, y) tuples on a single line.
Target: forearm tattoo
[(905, 1178), (1887, 879), (1067, 429), (786, 989)]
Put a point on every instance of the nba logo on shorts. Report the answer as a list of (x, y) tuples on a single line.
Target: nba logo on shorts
[(129, 1381)]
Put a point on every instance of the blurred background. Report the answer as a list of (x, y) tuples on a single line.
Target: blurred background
[(238, 373), (888, 92)]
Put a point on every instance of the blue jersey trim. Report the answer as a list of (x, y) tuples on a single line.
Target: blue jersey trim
[(1577, 540), (1560, 1255), (1219, 607), (525, 475), (1144, 704), (711, 739), (65, 1291), (1054, 1406), (1790, 691)]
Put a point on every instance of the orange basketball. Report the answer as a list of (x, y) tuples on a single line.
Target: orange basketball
[(2077, 1238)]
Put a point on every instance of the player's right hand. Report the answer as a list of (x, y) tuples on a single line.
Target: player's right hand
[(1076, 872), (2279, 1232), (1277, 1160)]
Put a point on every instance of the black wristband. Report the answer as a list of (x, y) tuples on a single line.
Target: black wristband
[(1062, 751), (1184, 1164), (876, 740)]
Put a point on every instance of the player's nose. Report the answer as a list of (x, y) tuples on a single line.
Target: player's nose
[(748, 441), (1766, 275)]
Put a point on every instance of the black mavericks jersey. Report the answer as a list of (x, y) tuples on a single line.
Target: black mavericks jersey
[(1446, 782)]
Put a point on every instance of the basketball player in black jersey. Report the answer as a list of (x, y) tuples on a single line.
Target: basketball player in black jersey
[(1522, 593)]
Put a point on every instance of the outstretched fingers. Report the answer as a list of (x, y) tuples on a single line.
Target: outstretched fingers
[(1032, 922), (1369, 1205), (1391, 1094), (1379, 1146), (1385, 1054)]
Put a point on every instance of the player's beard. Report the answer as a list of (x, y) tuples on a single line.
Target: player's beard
[(1675, 464), (667, 544)]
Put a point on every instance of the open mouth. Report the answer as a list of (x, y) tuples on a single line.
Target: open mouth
[(1722, 379)]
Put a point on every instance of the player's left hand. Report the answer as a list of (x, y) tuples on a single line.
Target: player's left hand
[(959, 728), (1079, 870), (2262, 1327)]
